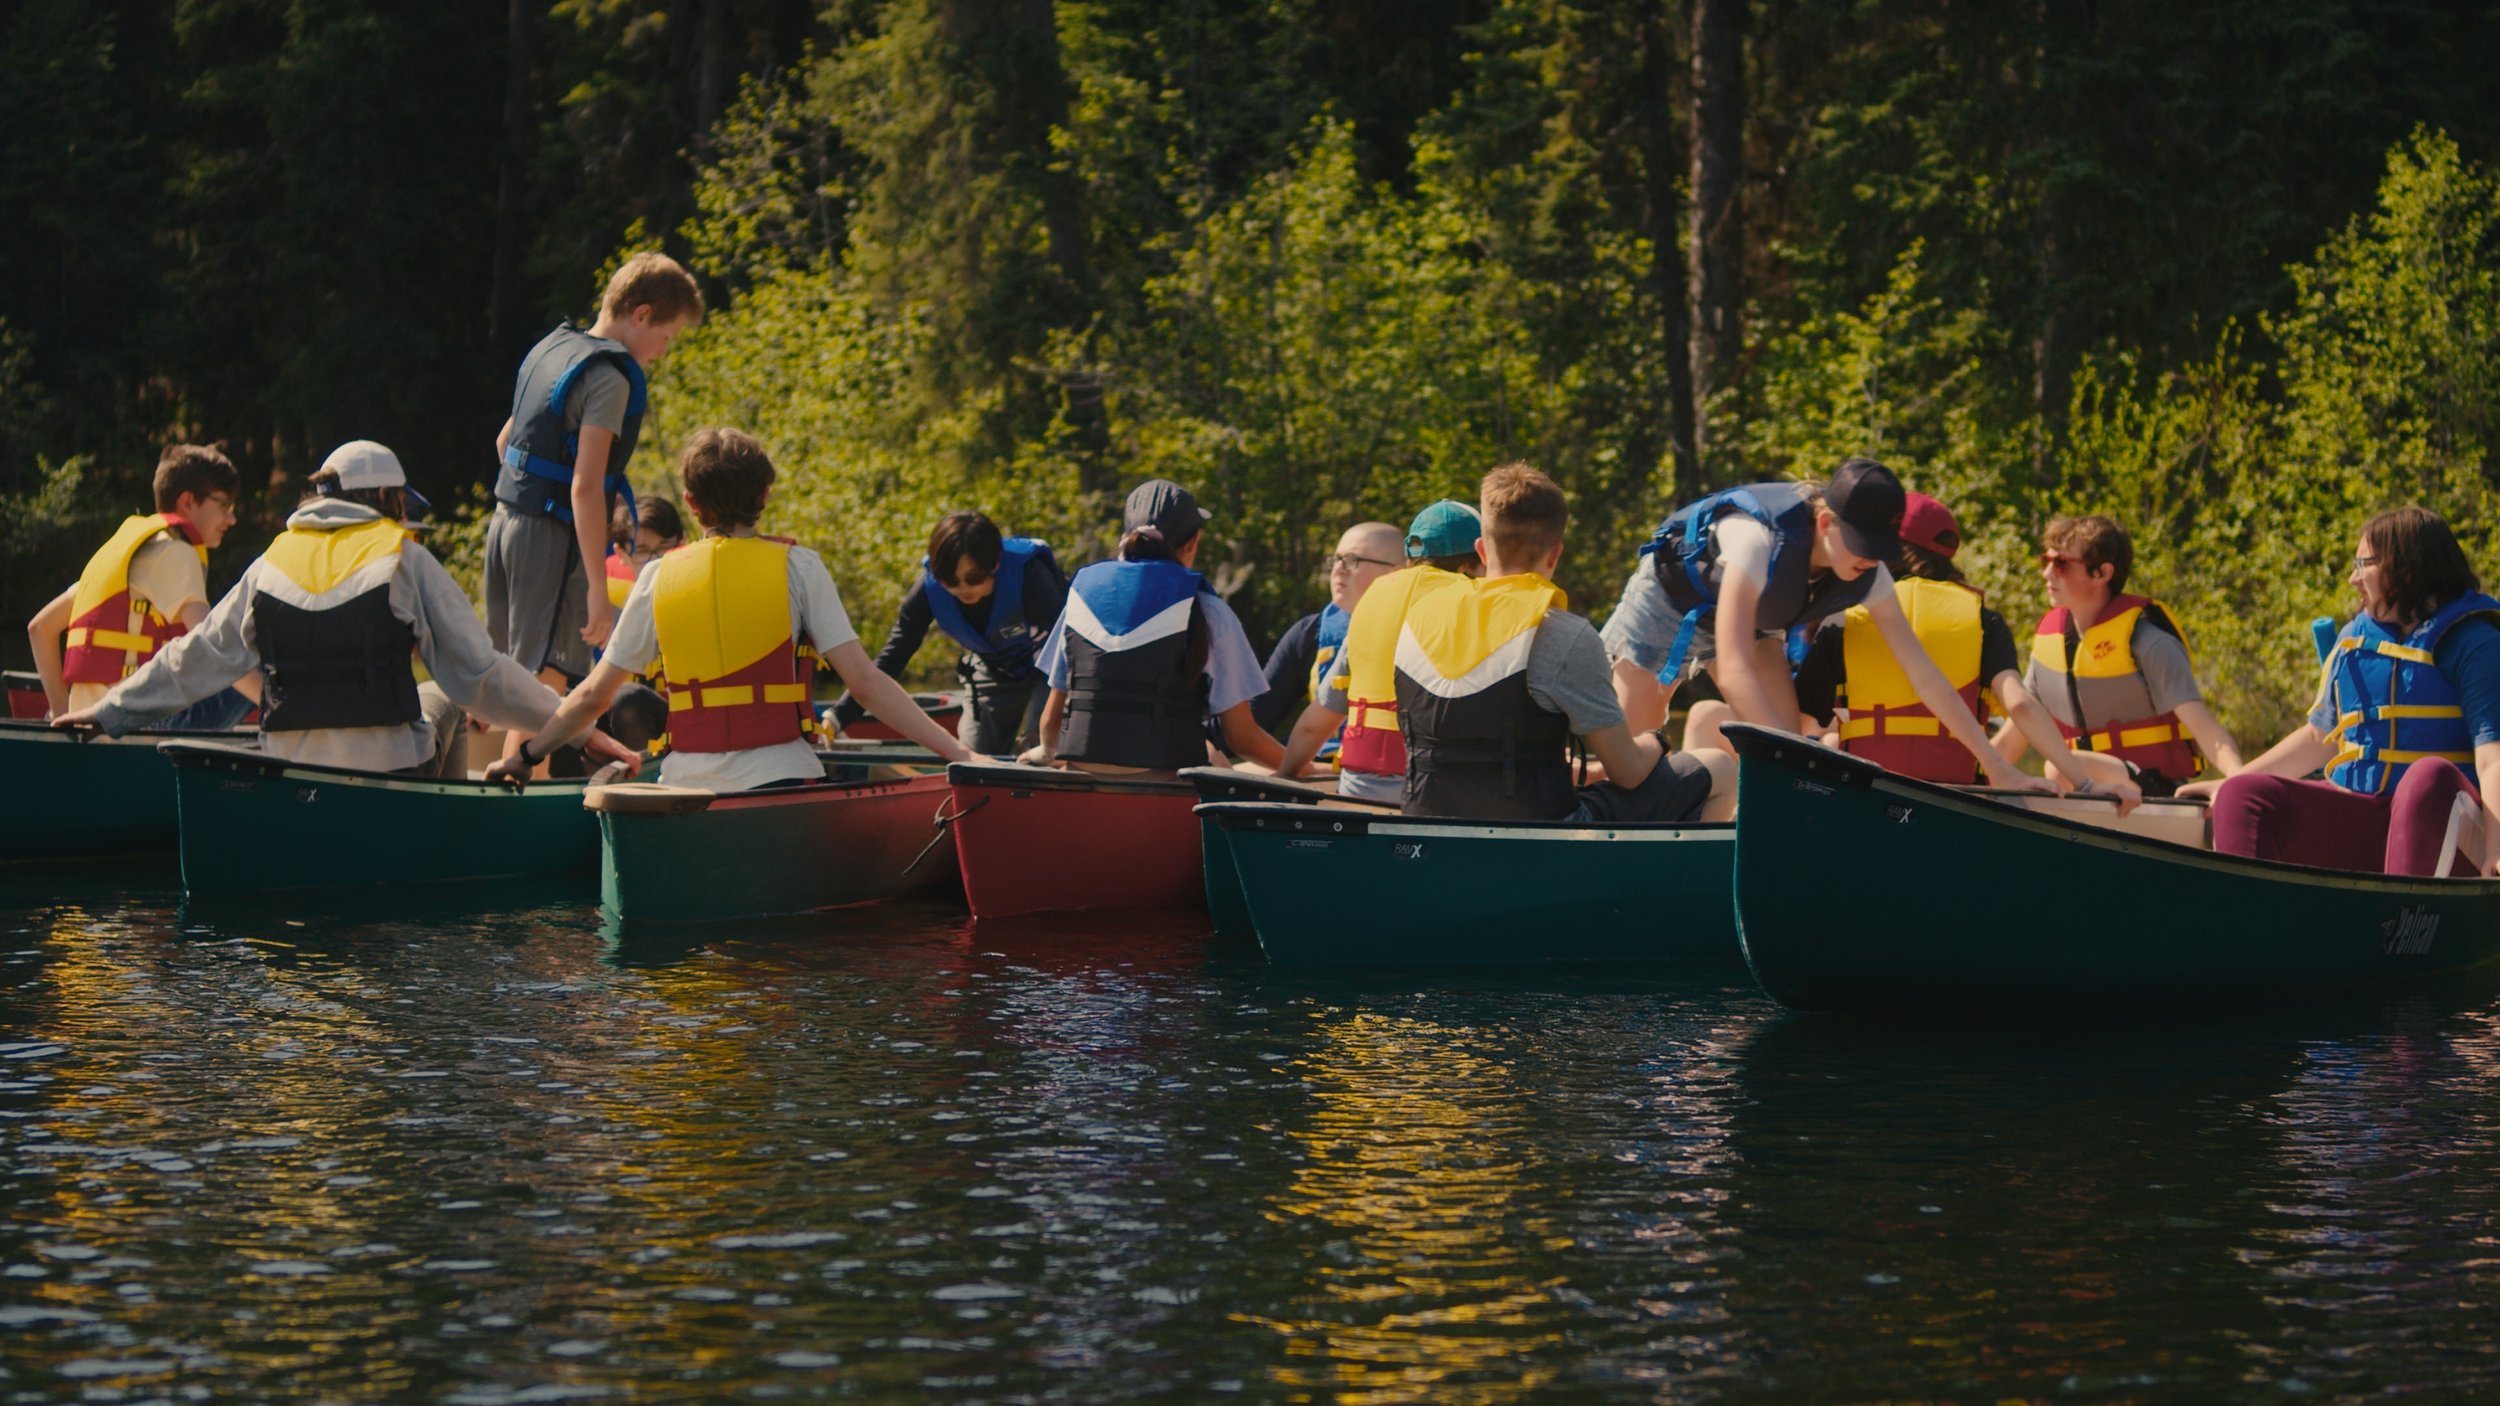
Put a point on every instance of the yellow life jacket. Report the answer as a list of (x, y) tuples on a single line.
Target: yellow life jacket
[(2103, 684), (1887, 723), (111, 632), (1478, 744), (1371, 740), (721, 610)]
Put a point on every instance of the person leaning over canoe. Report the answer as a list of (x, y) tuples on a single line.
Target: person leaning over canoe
[(1850, 666), (1146, 650), (722, 618), (1371, 762), (996, 597), (1298, 666), (2409, 695), (2114, 668), (1728, 576), (1493, 677), (147, 585), (329, 616)]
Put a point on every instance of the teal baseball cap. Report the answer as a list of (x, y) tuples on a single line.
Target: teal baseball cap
[(1444, 529)]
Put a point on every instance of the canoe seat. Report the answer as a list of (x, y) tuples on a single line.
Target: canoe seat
[(647, 798), (2177, 822)]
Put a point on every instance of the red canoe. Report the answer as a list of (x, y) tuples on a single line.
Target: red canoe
[(944, 709), (1038, 840), (25, 695)]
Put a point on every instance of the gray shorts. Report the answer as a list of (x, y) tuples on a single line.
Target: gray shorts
[(536, 601), (1674, 791)]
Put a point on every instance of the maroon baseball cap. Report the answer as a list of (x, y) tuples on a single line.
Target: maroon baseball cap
[(1929, 524)]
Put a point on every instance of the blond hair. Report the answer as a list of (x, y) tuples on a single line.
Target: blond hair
[(653, 280)]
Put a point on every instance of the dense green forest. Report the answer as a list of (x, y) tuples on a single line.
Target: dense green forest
[(2229, 271)]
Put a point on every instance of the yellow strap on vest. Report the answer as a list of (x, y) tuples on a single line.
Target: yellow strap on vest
[(2393, 650), (1944, 616), (1460, 627), (719, 605), (317, 560), (112, 639), (1891, 727)]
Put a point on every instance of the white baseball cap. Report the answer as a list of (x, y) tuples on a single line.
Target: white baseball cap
[(361, 463)]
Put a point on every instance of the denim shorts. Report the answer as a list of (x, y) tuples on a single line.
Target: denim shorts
[(1644, 623)]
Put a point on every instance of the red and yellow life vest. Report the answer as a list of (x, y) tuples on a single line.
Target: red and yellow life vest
[(721, 609), (1371, 741), (621, 574), (2112, 695), (1888, 725), (111, 632)]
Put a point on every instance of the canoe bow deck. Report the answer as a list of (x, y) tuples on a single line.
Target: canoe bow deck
[(759, 854), (1046, 840), (1860, 889)]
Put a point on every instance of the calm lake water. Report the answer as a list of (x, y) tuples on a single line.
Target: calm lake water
[(478, 1153)]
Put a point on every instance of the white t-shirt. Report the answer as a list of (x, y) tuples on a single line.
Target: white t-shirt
[(1745, 550), (816, 615), (167, 574)]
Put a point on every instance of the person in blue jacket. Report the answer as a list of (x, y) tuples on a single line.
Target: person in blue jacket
[(996, 597)]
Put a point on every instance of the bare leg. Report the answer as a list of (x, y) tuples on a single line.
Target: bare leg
[(1722, 766), (1701, 726)]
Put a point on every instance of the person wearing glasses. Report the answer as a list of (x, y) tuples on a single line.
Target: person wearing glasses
[(2114, 668), (996, 597), (638, 538), (1299, 663), (2408, 701)]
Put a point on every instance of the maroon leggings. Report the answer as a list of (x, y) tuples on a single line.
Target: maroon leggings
[(2397, 831)]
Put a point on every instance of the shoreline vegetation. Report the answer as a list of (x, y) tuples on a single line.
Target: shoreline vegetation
[(2230, 277)]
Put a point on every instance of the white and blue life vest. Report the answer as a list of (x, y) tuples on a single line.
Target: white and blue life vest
[(2393, 707), (1008, 644), (537, 473), (1137, 690), (1685, 553)]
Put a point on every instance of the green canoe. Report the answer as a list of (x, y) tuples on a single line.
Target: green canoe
[(82, 796), (671, 855), (1222, 783), (253, 823), (1860, 889), (1341, 886)]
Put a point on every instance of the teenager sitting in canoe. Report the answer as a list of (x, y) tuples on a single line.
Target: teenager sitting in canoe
[(1371, 757), (996, 597), (329, 615), (1146, 650), (1299, 664), (1493, 677), (1849, 666), (637, 538), (722, 619), (2114, 668), (2410, 695), (146, 586), (1727, 579)]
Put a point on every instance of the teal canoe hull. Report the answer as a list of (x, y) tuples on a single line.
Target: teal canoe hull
[(770, 853), (97, 798), (1857, 889), (1332, 886), (1226, 907), (254, 824)]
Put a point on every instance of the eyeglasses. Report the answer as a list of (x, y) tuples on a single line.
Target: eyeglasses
[(1349, 561), (2360, 562)]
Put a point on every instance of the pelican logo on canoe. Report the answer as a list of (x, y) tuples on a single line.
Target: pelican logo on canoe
[(2409, 933)]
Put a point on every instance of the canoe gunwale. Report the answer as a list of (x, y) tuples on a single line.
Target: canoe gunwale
[(30, 730), (824, 792), (198, 756), (1239, 815), (1036, 778)]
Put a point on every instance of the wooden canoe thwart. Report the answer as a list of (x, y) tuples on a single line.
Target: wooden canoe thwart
[(1860, 889), (1341, 885), (672, 854), (254, 823), (1045, 840)]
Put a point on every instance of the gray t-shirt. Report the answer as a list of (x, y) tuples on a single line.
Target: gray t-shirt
[(599, 400), (1567, 673)]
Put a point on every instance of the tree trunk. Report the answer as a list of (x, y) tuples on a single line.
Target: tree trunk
[(503, 314), (1717, 248), (2064, 33), (1662, 224)]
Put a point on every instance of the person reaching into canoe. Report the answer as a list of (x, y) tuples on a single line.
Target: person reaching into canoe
[(146, 586), (722, 619), (1146, 650), (1299, 664), (1371, 757), (2114, 668), (329, 616), (1493, 677), (1729, 577), (2409, 697), (1849, 666), (996, 597)]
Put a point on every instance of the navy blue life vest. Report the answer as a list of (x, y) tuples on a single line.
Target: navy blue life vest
[(2393, 707), (1009, 642), (1135, 698), (537, 473), (1332, 632), (1685, 554)]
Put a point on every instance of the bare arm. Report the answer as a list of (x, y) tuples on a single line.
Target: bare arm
[(1629, 757), (43, 635), (1244, 736), (2303, 750), (2487, 780), (1311, 731), (1738, 673), (1929, 684), (1054, 715), (889, 703), (590, 527), (1643, 699), (2211, 736), (503, 440), (582, 707), (2028, 721)]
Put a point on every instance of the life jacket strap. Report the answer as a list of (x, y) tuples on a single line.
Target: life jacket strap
[(111, 639), (616, 485)]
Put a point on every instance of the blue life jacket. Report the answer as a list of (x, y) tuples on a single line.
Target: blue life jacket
[(1332, 631), (1685, 553), (537, 473), (2389, 692), (1134, 696), (1010, 640)]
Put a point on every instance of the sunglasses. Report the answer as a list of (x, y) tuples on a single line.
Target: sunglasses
[(2059, 561), (1349, 561)]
